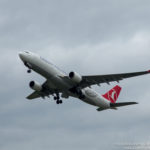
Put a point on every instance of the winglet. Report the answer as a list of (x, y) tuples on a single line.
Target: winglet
[(148, 71)]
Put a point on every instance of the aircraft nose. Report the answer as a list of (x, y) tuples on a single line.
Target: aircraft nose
[(21, 55)]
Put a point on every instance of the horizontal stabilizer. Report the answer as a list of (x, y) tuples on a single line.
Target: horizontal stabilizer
[(112, 105)]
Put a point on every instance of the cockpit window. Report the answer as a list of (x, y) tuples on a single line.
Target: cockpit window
[(27, 52)]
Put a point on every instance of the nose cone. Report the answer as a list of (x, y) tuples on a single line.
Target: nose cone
[(21, 55)]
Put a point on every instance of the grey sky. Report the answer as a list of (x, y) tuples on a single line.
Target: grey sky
[(87, 36)]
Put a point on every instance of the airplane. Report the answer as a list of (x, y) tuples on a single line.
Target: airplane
[(73, 84)]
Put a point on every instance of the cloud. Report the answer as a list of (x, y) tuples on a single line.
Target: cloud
[(90, 37)]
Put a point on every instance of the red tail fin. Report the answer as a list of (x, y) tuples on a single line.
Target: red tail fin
[(113, 94)]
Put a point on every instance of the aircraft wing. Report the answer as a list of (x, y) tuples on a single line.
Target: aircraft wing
[(45, 92), (34, 95), (98, 79), (87, 81)]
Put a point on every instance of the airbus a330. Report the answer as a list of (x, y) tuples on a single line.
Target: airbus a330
[(61, 85)]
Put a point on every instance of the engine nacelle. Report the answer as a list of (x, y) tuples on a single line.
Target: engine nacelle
[(35, 86), (75, 77)]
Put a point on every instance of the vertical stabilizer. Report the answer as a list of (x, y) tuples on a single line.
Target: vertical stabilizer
[(113, 94)]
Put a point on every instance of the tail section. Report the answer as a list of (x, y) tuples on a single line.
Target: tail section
[(113, 94)]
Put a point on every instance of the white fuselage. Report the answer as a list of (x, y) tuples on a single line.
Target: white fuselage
[(54, 75)]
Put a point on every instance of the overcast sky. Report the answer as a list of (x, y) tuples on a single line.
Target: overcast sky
[(86, 36)]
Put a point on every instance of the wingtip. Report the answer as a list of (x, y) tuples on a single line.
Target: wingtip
[(148, 71), (28, 98), (134, 103)]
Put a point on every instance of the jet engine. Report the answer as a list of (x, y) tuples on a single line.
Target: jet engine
[(35, 86), (75, 77)]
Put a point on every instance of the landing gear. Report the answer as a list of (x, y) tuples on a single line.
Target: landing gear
[(59, 102), (28, 66), (78, 91), (29, 71), (57, 98)]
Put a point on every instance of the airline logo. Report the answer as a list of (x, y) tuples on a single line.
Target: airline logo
[(113, 94)]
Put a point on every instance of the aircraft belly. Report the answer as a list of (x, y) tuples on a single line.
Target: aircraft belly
[(41, 70), (89, 101), (46, 70), (57, 83), (94, 98), (52, 75), (96, 102)]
